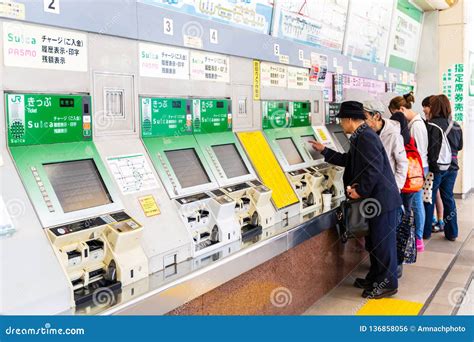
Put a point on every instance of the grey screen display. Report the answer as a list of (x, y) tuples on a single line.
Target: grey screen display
[(77, 184), (314, 154), (187, 167), (230, 160), (290, 151), (343, 140)]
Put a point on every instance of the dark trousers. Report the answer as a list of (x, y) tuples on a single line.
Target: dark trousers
[(382, 246), (407, 199), (444, 183)]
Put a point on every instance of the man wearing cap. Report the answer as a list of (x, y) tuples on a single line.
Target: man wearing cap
[(368, 175)]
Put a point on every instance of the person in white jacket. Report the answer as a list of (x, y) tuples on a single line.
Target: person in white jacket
[(392, 140)]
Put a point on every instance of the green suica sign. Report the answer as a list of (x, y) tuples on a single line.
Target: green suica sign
[(284, 114), (34, 119), (300, 114), (164, 117), (211, 116), (275, 114)]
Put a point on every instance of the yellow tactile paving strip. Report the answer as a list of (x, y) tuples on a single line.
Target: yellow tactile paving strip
[(268, 168), (390, 306)]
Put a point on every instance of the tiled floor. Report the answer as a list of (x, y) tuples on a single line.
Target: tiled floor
[(423, 282), (466, 306)]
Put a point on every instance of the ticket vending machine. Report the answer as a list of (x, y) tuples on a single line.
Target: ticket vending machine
[(206, 211), (340, 138), (212, 128), (284, 197), (166, 240), (287, 126), (334, 174), (97, 244)]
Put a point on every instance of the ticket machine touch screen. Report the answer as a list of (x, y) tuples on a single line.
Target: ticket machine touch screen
[(77, 184), (187, 167), (290, 151), (230, 160), (315, 155)]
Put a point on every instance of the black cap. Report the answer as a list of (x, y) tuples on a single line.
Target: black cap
[(351, 110)]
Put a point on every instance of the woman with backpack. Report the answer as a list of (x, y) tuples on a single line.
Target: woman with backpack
[(445, 142), (419, 133), (438, 221)]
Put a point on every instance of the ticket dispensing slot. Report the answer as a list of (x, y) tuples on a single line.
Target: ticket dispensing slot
[(253, 208), (198, 213), (100, 254), (207, 216)]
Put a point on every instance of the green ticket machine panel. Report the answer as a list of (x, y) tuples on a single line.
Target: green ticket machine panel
[(284, 123), (167, 127), (50, 140), (230, 166), (287, 127), (35, 119)]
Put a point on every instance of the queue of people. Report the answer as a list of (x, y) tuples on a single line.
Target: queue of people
[(404, 163)]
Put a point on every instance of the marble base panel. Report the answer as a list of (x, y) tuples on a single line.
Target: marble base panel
[(285, 285)]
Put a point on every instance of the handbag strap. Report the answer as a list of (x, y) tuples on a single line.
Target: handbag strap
[(450, 127)]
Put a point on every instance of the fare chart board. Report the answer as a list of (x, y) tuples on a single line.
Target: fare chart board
[(368, 30), (255, 15), (318, 23), (34, 119)]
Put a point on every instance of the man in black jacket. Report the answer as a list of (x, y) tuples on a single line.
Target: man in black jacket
[(368, 176)]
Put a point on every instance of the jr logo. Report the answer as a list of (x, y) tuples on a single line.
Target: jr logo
[(15, 99)]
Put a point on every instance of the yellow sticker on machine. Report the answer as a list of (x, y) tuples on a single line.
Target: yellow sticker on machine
[(149, 206), (268, 168)]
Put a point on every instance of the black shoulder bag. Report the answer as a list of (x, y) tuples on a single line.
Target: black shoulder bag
[(353, 218)]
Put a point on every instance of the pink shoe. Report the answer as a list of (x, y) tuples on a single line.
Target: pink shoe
[(420, 246)]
